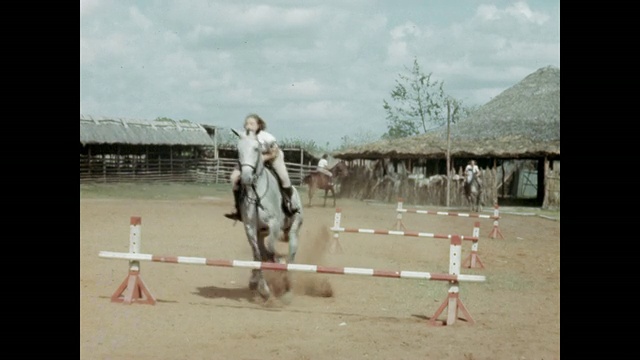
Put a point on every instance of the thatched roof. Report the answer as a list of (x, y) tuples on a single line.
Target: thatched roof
[(521, 122), (102, 130)]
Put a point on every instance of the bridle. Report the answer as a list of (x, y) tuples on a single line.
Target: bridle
[(257, 171)]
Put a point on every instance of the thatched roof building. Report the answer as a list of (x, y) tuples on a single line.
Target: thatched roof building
[(521, 122), (102, 130)]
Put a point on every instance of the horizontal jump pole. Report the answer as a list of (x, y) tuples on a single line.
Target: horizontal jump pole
[(418, 275), (449, 213), (496, 216), (401, 233)]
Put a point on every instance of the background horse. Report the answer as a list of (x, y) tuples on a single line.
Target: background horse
[(263, 217), (317, 180), (473, 191)]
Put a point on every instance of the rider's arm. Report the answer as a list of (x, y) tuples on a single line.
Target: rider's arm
[(272, 153)]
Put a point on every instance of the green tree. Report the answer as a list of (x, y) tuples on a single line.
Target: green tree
[(359, 138), (419, 103)]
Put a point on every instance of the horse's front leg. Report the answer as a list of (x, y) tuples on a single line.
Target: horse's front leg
[(270, 241), (311, 191), (325, 197), (256, 281), (292, 234)]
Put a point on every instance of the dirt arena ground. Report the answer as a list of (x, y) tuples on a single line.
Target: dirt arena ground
[(205, 312)]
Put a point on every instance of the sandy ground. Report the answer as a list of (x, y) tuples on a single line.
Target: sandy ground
[(205, 312)]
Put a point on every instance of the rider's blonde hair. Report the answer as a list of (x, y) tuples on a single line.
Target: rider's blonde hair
[(262, 125)]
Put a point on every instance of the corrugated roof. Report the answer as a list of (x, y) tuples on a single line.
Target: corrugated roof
[(522, 121), (104, 130)]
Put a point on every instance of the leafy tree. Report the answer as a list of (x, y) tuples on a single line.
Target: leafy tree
[(419, 104), (359, 138)]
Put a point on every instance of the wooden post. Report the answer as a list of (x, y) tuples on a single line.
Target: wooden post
[(104, 168), (495, 181), (545, 202), (301, 165), (448, 153)]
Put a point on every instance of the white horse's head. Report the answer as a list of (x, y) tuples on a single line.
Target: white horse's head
[(249, 156)]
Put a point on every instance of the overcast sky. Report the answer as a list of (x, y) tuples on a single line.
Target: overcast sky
[(314, 70)]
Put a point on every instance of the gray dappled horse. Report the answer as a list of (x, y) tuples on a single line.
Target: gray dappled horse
[(317, 180), (264, 219), (473, 191)]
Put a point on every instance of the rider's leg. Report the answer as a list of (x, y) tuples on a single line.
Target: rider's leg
[(329, 176), (281, 170), (235, 178)]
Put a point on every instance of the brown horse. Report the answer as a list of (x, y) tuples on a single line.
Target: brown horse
[(317, 180)]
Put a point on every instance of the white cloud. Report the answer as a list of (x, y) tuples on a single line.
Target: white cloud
[(407, 29), (488, 12), (181, 61), (139, 19), (312, 66), (519, 10), (399, 50), (305, 88), (88, 6), (87, 54), (261, 17)]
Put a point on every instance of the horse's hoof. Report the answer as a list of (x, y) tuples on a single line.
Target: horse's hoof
[(287, 298), (263, 289), (253, 285), (254, 280)]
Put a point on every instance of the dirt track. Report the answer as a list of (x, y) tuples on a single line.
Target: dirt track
[(209, 313)]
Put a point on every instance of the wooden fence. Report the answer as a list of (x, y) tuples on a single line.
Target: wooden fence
[(363, 184), (135, 168)]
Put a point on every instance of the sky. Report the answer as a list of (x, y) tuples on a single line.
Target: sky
[(315, 70)]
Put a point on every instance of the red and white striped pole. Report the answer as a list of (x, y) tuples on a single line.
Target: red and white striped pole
[(190, 260), (133, 288)]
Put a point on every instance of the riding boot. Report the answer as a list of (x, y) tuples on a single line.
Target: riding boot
[(235, 215), (287, 206)]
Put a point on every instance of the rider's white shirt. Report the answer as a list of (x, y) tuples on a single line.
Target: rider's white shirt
[(323, 163), (473, 168)]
